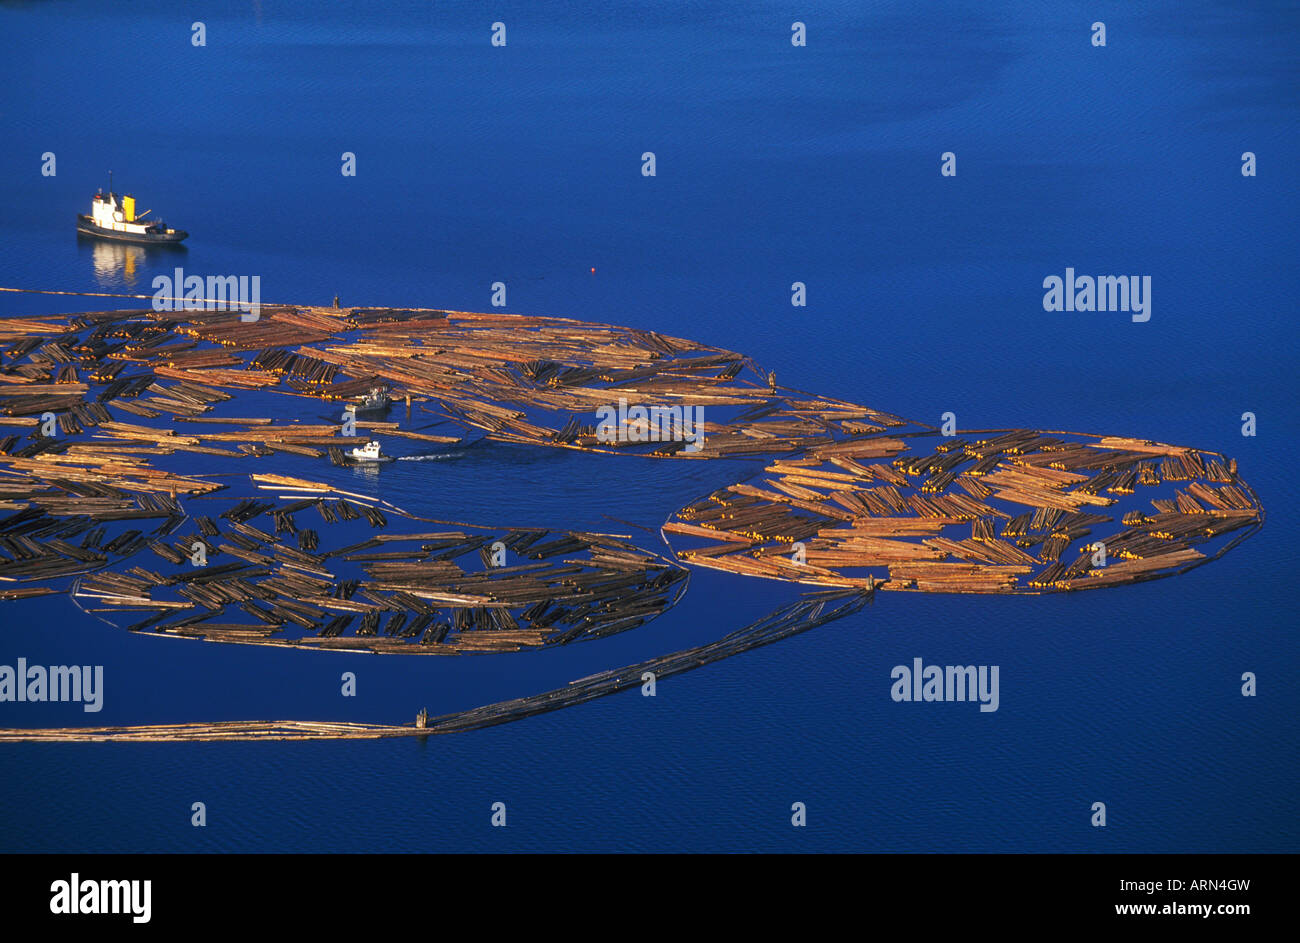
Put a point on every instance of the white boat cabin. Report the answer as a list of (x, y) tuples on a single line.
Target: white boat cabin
[(107, 213), (368, 452)]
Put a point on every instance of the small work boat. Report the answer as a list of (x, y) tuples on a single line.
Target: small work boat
[(110, 218), (375, 403), (368, 453)]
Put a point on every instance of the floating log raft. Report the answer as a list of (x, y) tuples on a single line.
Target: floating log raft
[(410, 592), (987, 513), (134, 394), (788, 621), (101, 414), (541, 381)]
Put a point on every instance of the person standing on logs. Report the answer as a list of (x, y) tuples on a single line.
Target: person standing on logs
[(771, 380)]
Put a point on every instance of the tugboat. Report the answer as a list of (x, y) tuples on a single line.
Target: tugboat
[(369, 453), (111, 219), (375, 403)]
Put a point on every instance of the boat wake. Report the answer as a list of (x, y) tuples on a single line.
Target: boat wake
[(429, 458)]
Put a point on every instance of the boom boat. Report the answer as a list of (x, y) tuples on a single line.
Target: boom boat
[(374, 404), (369, 453)]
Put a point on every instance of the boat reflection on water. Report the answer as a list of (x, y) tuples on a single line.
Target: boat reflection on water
[(368, 471), (124, 264)]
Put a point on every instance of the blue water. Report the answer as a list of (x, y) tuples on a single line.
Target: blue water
[(775, 164)]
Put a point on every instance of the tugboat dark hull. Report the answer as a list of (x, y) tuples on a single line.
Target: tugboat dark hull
[(370, 412), (87, 227)]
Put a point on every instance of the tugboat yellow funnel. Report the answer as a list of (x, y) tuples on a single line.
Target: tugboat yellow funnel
[(128, 208)]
